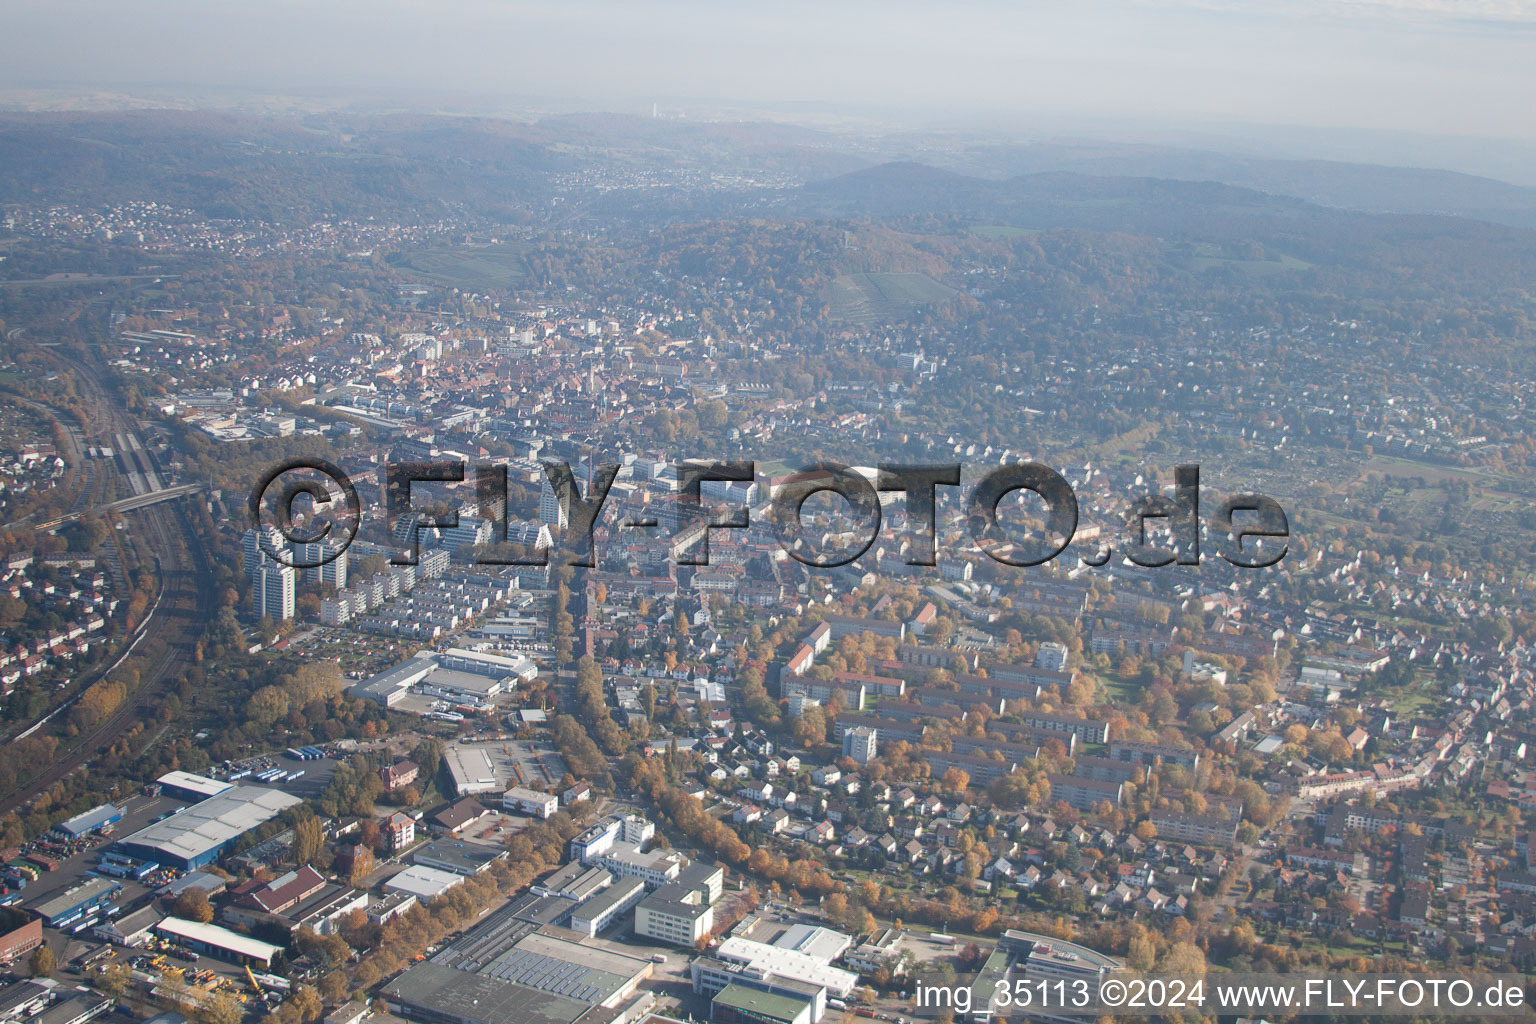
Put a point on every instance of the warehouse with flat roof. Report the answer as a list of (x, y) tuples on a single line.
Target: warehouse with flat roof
[(219, 942), (433, 994), (390, 686), (90, 821), (186, 786), (78, 903), (422, 882), (738, 1004), (608, 906), (471, 770), (457, 856), (198, 835), (488, 664), (548, 963)]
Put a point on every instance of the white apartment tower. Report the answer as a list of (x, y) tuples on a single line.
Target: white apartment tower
[(550, 509), (860, 744), (333, 572), (1052, 656), (272, 594), (260, 544)]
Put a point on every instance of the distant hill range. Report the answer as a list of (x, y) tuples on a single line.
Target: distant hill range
[(288, 169), (1470, 254), (1472, 234), (1349, 186)]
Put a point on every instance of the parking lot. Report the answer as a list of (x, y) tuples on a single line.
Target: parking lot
[(517, 763), (317, 773), (138, 811)]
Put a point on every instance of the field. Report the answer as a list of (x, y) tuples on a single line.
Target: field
[(1003, 231), (479, 269), (869, 298), (1209, 256)]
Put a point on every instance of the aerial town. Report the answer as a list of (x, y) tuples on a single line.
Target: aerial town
[(454, 573)]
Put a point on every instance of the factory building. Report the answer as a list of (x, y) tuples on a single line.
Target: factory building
[(199, 835)]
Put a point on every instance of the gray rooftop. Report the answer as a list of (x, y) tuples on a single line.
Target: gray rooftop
[(201, 827), (609, 898), (443, 992)]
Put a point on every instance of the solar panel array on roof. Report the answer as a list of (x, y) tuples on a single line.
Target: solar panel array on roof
[(547, 974), (487, 940)]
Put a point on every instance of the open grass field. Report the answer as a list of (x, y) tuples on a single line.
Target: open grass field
[(1121, 691), (479, 268), (1432, 473), (1410, 701), (1208, 257), (868, 298), (1003, 231)]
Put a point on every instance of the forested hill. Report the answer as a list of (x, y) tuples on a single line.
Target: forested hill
[(601, 172), (1476, 256), (1367, 187), (299, 169), (276, 171)]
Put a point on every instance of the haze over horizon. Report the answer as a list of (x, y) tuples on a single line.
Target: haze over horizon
[(1361, 69)]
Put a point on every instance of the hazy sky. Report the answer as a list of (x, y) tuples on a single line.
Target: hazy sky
[(1456, 66)]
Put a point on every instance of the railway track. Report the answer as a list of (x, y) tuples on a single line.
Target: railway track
[(171, 631)]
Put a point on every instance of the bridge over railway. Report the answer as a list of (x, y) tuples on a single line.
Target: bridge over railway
[(125, 505)]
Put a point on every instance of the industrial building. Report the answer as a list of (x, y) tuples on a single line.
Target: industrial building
[(530, 802), (93, 820), (200, 834), (599, 839), (457, 674), (76, 1008), (1034, 958), (432, 994), (20, 934), (802, 965), (219, 942), (422, 882), (186, 786), (796, 963), (458, 857), (22, 1000), (484, 663), (469, 687), (656, 867), (545, 962), (607, 906), (708, 878), (674, 913), (738, 1004), (514, 966), (131, 929), (471, 770), (298, 899), (77, 903), (207, 881), (388, 687), (574, 881)]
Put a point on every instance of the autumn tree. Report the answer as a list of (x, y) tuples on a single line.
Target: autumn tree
[(192, 905), (43, 962), (308, 838), (362, 866)]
